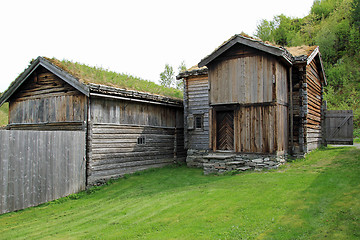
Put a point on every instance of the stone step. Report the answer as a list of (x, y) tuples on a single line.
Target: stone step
[(235, 163), (244, 168), (220, 156)]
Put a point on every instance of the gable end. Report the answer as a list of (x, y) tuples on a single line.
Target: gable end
[(40, 61)]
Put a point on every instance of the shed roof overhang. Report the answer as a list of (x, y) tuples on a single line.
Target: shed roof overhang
[(259, 45), (304, 59), (40, 61)]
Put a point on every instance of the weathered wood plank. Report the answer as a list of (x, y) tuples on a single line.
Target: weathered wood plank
[(40, 166), (115, 149)]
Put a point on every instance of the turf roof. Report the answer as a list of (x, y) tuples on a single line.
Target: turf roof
[(97, 75)]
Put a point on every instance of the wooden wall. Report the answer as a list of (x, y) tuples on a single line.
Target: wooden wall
[(307, 107), (40, 166), (259, 129), (257, 84), (197, 104), (107, 110), (113, 138), (299, 111), (314, 102), (247, 76), (46, 102)]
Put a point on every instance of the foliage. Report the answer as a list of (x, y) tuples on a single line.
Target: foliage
[(167, 77), (357, 135), (180, 83), (315, 198), (264, 30), (333, 25), (282, 30), (98, 75), (323, 8), (356, 14), (4, 112)]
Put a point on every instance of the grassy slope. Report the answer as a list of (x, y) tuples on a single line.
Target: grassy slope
[(313, 199), (98, 75), (4, 112)]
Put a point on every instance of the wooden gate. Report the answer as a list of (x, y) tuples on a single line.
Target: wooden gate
[(339, 127), (39, 166), (225, 130)]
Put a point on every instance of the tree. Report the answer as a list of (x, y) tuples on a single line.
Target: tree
[(167, 76), (181, 68), (264, 30)]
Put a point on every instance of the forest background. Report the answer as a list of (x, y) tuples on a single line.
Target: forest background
[(333, 25)]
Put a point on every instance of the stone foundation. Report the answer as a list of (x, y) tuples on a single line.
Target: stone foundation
[(217, 163), (195, 158)]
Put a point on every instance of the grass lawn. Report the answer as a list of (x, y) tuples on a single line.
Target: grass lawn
[(315, 198)]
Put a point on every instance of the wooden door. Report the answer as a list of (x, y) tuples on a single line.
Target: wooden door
[(339, 127), (225, 130)]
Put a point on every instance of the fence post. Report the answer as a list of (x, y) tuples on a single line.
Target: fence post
[(323, 123)]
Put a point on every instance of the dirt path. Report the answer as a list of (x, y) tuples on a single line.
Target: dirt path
[(357, 145)]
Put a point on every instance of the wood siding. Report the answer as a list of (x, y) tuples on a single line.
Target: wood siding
[(251, 77), (45, 99), (256, 85), (114, 148), (39, 166), (106, 110), (197, 103), (307, 107), (314, 102), (261, 129)]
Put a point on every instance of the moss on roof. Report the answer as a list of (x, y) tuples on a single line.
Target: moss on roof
[(97, 75), (301, 50)]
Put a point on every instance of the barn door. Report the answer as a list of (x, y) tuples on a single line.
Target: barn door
[(225, 130), (339, 127)]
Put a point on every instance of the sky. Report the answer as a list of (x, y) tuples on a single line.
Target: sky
[(136, 37)]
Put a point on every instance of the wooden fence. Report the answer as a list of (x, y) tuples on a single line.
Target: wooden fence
[(40, 166), (339, 127)]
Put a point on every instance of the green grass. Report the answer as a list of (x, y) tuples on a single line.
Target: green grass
[(316, 198), (99, 75), (4, 112)]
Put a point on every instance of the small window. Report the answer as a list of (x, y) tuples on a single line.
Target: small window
[(198, 122), (141, 140)]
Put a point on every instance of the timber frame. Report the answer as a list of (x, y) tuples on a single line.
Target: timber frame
[(125, 130), (275, 94), (40, 61)]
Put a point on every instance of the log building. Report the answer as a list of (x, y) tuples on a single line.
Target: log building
[(250, 105), (126, 130)]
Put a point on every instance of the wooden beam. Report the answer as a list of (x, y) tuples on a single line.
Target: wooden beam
[(291, 113)]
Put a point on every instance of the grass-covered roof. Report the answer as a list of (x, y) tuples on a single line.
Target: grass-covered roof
[(97, 75)]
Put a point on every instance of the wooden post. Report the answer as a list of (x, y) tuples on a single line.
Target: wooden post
[(291, 114), (323, 123)]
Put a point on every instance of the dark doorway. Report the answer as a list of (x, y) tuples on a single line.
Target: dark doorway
[(225, 130)]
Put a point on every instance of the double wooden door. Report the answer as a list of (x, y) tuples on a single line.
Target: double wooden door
[(225, 130)]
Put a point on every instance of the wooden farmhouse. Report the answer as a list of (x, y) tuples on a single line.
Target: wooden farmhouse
[(126, 130), (250, 105)]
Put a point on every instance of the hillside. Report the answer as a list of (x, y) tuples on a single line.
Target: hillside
[(333, 25), (315, 198)]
